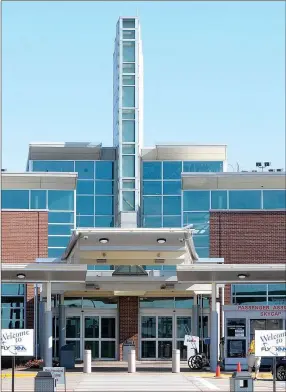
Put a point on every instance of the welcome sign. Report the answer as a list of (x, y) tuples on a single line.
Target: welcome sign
[(270, 343), (17, 342)]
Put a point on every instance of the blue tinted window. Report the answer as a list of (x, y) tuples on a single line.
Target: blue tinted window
[(103, 205), (85, 169), (199, 220), (152, 205), (201, 241), (85, 205), (152, 221), (274, 199), (128, 166), (129, 51), (171, 205), (58, 242), (172, 221), (39, 199), (249, 289), (13, 289), (277, 289), (152, 187), (128, 114), (196, 200), (128, 201), (152, 170), (15, 199), (61, 217), (60, 229), (85, 187), (244, 200), (203, 167), (172, 170), (203, 252), (128, 23), (184, 303), (104, 221), (54, 252), (61, 200), (219, 200), (53, 166), (104, 170), (128, 97), (103, 187), (128, 131), (84, 221), (172, 187)]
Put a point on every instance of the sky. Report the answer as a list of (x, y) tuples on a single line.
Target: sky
[(214, 73)]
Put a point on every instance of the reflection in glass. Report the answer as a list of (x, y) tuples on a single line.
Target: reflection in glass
[(184, 326), (91, 327), (165, 327), (148, 327), (108, 327), (148, 349), (94, 347), (73, 327), (165, 349), (108, 349), (76, 347)]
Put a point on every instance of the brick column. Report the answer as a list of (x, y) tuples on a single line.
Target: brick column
[(128, 322)]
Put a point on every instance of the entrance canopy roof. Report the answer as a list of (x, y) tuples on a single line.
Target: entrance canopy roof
[(138, 246), (231, 273)]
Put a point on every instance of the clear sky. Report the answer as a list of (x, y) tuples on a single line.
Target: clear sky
[(214, 72)]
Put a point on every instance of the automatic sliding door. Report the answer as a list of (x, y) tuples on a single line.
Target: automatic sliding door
[(108, 337), (91, 335), (73, 334), (165, 337), (184, 327)]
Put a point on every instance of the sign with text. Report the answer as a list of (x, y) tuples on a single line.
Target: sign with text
[(192, 341), (58, 373), (270, 343), (17, 342)]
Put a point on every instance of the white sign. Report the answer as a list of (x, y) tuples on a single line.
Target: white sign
[(58, 373), (17, 342), (192, 341), (270, 343)]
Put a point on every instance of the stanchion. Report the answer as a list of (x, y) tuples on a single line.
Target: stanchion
[(132, 361), (87, 361), (176, 361)]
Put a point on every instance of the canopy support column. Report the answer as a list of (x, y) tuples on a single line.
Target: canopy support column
[(214, 331), (48, 359)]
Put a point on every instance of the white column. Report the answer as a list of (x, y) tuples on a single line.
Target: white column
[(214, 331), (195, 317), (48, 359), (176, 361), (132, 361)]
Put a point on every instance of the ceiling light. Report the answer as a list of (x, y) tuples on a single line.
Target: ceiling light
[(21, 276), (161, 240), (242, 276), (103, 240)]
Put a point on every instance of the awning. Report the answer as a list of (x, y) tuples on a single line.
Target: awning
[(231, 273), (40, 273)]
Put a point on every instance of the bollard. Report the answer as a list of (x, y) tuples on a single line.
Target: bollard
[(132, 361), (87, 361), (176, 361)]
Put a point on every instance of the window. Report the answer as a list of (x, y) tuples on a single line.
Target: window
[(53, 166), (172, 170), (61, 217), (194, 166), (128, 131), (128, 80), (85, 205), (152, 170), (184, 303), (196, 200), (171, 205), (151, 303), (128, 68), (199, 220), (172, 221), (128, 149), (249, 289), (201, 241), (14, 199), (84, 221), (128, 166), (152, 221), (38, 200), (128, 23), (85, 169), (219, 200), (152, 187), (274, 199), (103, 221), (128, 201), (58, 242), (85, 187), (55, 252), (103, 205), (13, 289), (152, 205), (172, 187), (12, 306), (203, 253), (128, 184), (61, 200), (128, 51), (277, 289), (104, 187), (99, 303), (128, 114), (104, 170), (128, 34), (242, 200), (128, 97), (60, 229)]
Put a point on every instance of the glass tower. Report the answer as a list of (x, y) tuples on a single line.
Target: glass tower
[(128, 118)]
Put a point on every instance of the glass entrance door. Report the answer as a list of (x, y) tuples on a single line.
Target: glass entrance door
[(73, 334)]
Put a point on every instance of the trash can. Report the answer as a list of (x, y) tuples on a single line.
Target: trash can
[(128, 345), (67, 356), (44, 382), (241, 382)]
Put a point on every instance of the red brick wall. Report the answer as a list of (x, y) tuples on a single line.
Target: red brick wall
[(24, 237), (128, 322), (248, 237)]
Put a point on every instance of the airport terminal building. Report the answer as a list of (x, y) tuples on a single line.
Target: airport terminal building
[(113, 229)]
